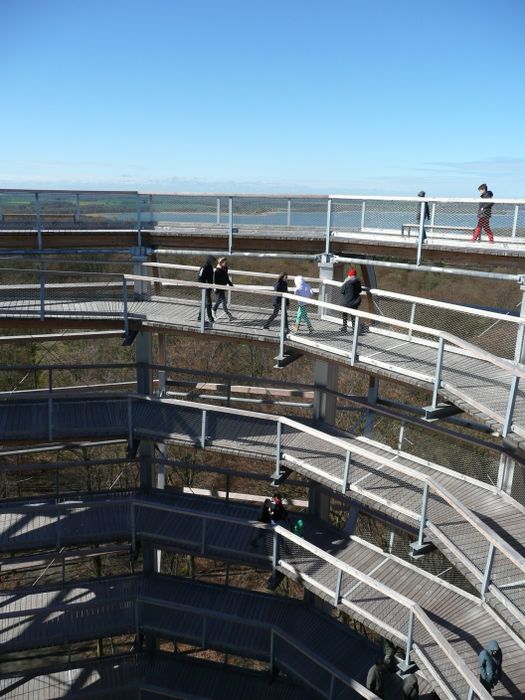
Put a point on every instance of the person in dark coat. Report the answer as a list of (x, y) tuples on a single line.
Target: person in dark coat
[(375, 678), (280, 286), (490, 665), (350, 292), (222, 277), (484, 214), (426, 214), (410, 688), (264, 517), (206, 276)]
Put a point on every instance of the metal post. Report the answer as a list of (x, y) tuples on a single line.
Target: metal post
[(203, 536), (1, 211), (423, 516), (77, 208), (139, 223), (38, 221), (344, 485), (289, 213), (275, 551), (42, 289), (218, 210), (421, 232), (507, 424), (328, 226), (50, 417), (203, 430), (278, 449), (488, 570), (203, 308), (432, 214), (272, 649), (439, 365), (150, 198), (515, 220), (412, 318), (133, 530), (230, 224), (470, 694), (357, 323), (282, 329), (125, 305), (410, 633), (337, 592), (332, 688), (204, 625), (363, 212), (130, 424)]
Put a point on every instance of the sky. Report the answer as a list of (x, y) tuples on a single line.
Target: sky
[(296, 96)]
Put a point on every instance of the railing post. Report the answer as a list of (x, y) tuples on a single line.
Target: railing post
[(439, 365), (50, 417), (230, 225), (405, 665), (509, 413), (275, 551), (363, 212), (289, 213), (328, 226), (488, 571), (282, 329), (77, 208), (133, 531), (470, 694), (218, 210), (38, 221), (203, 430), (203, 536), (203, 308), (150, 202), (344, 485), (125, 305), (423, 516), (432, 214), (272, 650), (421, 232), (139, 222), (203, 637), (412, 319), (130, 424), (42, 288), (332, 687), (278, 450), (515, 220), (337, 592), (357, 324)]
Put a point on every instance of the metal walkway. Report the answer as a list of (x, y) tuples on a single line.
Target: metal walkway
[(215, 529)]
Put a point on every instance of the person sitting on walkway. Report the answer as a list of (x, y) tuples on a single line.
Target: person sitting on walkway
[(281, 286), (490, 663), (350, 291), (302, 289), (222, 277), (484, 214)]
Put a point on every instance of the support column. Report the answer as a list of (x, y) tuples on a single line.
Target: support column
[(370, 281)]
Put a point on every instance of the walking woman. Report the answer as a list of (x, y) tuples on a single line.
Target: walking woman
[(281, 286), (302, 289), (222, 277)]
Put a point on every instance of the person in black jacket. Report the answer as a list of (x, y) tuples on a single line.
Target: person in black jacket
[(426, 215), (484, 214), (206, 276), (222, 277), (350, 292), (280, 286), (264, 517)]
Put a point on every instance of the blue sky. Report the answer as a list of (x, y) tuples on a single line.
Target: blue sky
[(353, 96)]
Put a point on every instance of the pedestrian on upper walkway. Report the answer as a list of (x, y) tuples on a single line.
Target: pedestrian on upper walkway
[(222, 277), (279, 514), (484, 214), (265, 517), (304, 291), (281, 286), (207, 276), (426, 213), (490, 665), (350, 292)]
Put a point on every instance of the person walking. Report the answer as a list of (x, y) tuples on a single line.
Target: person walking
[(302, 290), (350, 292), (375, 678), (222, 277), (281, 286), (206, 276), (484, 214), (490, 665), (426, 214)]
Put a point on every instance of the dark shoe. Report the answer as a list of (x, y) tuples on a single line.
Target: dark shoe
[(311, 330), (266, 328)]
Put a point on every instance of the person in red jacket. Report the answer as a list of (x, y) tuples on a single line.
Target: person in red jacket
[(484, 214)]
